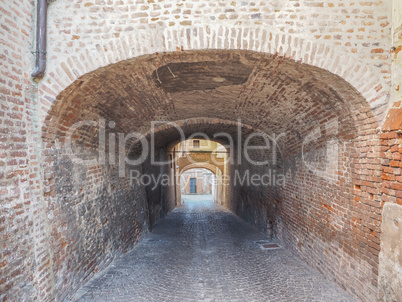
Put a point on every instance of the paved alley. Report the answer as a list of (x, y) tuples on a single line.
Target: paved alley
[(201, 252)]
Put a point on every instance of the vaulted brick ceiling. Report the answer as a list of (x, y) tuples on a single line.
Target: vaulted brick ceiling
[(266, 92)]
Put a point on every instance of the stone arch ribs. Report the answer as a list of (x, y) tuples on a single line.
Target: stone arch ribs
[(96, 55)]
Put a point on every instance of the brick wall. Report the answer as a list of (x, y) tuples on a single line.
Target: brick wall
[(84, 36), (391, 246), (23, 256), (156, 192), (328, 215), (60, 222), (93, 216)]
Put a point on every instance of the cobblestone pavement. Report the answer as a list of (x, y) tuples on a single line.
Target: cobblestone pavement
[(202, 252)]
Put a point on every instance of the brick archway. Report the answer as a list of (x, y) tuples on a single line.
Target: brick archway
[(314, 61), (209, 167), (220, 176), (350, 68), (267, 92)]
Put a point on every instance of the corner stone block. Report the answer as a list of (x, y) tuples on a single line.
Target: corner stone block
[(390, 270)]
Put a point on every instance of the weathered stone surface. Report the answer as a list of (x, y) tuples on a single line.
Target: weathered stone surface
[(390, 273)]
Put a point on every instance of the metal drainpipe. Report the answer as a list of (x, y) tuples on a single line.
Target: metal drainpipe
[(41, 23)]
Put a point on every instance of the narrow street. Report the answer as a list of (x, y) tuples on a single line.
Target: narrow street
[(202, 252)]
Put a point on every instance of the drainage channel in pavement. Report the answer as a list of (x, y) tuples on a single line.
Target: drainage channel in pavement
[(268, 245)]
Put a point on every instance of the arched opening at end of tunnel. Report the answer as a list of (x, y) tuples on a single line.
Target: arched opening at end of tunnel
[(290, 132), (198, 181), (203, 169)]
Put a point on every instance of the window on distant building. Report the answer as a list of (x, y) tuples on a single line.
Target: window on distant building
[(196, 143)]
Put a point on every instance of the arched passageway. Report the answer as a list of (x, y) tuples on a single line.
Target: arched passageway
[(304, 156), (194, 157), (197, 181)]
